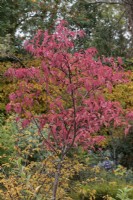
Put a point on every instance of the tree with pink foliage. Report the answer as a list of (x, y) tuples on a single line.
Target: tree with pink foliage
[(83, 77)]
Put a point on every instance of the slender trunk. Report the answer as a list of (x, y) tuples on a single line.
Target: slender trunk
[(129, 12), (56, 181)]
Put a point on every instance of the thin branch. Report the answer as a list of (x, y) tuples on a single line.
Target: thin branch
[(40, 131), (12, 59), (105, 2)]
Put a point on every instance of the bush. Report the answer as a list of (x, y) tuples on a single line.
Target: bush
[(7, 132)]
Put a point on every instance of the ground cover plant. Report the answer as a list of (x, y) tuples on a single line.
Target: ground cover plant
[(77, 111)]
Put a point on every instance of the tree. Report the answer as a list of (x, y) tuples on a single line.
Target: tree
[(83, 76), (104, 24), (22, 18), (126, 9), (26, 16)]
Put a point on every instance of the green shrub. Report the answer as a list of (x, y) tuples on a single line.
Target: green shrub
[(7, 132), (99, 190)]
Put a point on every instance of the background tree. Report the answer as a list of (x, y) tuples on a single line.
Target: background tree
[(108, 24), (105, 25)]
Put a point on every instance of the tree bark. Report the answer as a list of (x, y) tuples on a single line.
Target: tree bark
[(56, 181), (129, 13)]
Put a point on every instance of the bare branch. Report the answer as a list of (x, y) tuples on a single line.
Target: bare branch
[(106, 2)]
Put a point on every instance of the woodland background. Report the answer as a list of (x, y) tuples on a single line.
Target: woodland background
[(27, 169)]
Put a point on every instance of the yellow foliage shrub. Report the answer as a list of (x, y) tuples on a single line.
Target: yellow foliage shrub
[(35, 180)]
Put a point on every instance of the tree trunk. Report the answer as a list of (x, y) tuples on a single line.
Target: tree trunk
[(129, 12), (56, 181)]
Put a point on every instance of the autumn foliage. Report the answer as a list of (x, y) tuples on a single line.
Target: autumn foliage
[(82, 76)]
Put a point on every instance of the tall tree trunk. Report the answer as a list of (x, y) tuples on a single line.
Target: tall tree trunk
[(129, 13)]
